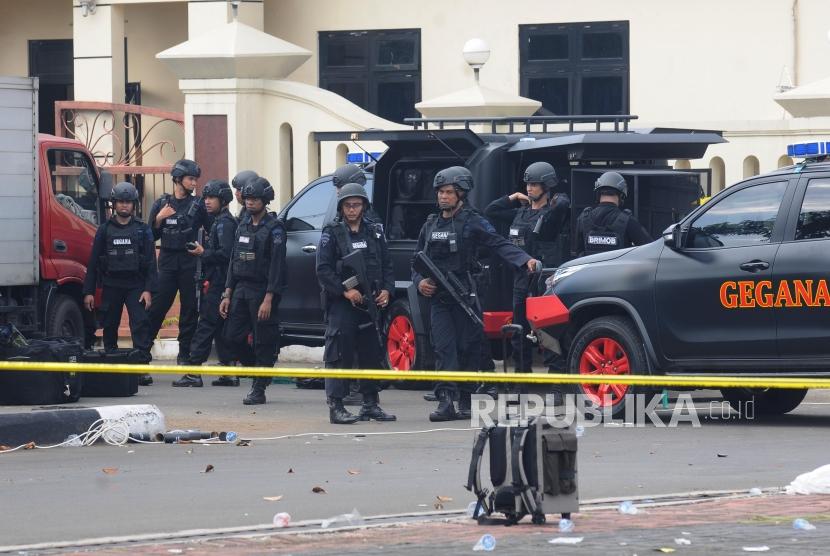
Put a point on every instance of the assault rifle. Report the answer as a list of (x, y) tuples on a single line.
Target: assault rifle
[(424, 266), (354, 262), (198, 275)]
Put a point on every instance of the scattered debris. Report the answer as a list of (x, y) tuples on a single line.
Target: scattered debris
[(189, 451), (764, 548), (353, 519), (682, 541), (318, 490), (175, 550), (198, 412), (722, 456), (566, 540), (628, 508), (665, 550), (802, 524), (439, 505), (566, 525), (486, 543), (130, 451), (755, 491), (110, 470), (208, 469), (3, 447), (272, 498), (243, 442), (282, 519), (29, 446), (444, 498), (353, 471), (816, 481)]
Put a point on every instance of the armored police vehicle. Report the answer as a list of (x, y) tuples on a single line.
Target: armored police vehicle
[(496, 151), (738, 286)]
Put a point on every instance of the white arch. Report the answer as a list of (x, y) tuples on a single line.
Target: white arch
[(751, 166), (718, 174)]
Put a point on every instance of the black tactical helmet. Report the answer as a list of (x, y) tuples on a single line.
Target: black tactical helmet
[(243, 178), (458, 176), (218, 188), (352, 190), (258, 188), (348, 173), (124, 191), (541, 173), (185, 167), (612, 180)]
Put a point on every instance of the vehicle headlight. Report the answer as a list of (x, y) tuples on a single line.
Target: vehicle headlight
[(562, 273)]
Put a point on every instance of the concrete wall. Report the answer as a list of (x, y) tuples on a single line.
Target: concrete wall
[(21, 22)]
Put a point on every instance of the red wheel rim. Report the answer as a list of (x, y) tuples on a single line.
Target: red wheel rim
[(400, 343), (604, 356)]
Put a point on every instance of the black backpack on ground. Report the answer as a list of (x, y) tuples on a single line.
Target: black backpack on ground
[(532, 472)]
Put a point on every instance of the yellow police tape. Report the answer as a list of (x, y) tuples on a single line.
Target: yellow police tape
[(435, 376)]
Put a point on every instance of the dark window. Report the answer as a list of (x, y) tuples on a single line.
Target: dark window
[(380, 71), (576, 68), (53, 63), (309, 211), (814, 219), (747, 217)]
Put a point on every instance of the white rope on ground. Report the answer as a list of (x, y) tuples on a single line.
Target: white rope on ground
[(115, 432)]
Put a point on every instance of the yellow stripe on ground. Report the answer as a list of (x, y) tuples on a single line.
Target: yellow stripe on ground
[(434, 376)]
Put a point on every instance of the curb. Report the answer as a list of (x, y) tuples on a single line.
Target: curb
[(53, 426)]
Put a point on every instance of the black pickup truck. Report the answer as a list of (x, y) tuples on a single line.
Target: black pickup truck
[(739, 286), (400, 183)]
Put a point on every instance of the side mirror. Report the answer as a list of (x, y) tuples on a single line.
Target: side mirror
[(105, 190), (674, 237)]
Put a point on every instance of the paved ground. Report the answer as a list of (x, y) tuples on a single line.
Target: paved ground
[(711, 527), (163, 488)]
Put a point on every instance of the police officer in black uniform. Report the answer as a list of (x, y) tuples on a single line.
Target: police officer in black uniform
[(451, 239), (176, 220), (349, 327), (215, 255), (607, 227), (536, 221), (352, 173), (124, 260), (256, 278), (239, 181)]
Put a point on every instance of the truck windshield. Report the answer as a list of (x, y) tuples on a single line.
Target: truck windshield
[(74, 183)]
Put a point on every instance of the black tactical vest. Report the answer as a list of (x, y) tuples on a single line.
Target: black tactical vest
[(524, 235), (214, 242), (605, 234), (251, 254), (123, 248), (444, 242), (177, 230), (369, 243)]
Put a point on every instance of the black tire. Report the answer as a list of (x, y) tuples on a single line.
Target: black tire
[(625, 342), (766, 401), (403, 347), (65, 319)]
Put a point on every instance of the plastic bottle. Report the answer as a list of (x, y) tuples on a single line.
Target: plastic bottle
[(802, 524), (73, 441), (566, 525), (628, 508), (580, 431), (353, 519), (755, 491), (282, 519), (487, 543)]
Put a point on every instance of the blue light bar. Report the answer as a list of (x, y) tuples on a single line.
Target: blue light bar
[(362, 158), (808, 149)]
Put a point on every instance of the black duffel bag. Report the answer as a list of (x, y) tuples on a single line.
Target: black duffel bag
[(41, 387), (112, 384)]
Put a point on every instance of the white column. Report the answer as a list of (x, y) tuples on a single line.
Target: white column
[(203, 15)]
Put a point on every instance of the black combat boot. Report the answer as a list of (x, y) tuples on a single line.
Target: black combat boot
[(354, 397), (257, 394), (371, 409), (226, 380), (339, 415), (465, 405), (194, 381), (445, 410), (145, 380)]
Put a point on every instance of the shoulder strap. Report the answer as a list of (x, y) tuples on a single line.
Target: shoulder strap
[(474, 474), (341, 239)]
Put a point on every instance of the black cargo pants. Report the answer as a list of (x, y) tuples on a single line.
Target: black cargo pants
[(242, 320), (113, 300), (456, 341), (210, 328), (176, 274), (350, 331)]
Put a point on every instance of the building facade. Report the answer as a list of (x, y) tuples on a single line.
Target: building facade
[(729, 66)]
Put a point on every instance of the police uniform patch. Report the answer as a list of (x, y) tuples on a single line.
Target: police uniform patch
[(244, 239), (440, 236), (602, 240), (324, 239), (360, 244)]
